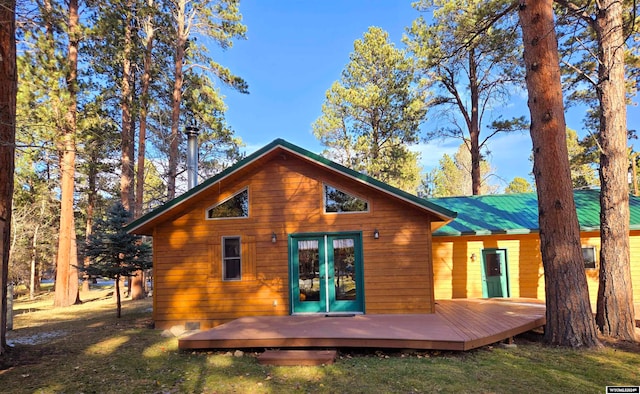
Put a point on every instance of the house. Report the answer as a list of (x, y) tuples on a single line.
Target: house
[(286, 231), (492, 248)]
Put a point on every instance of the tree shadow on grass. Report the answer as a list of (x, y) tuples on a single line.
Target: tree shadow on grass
[(96, 352)]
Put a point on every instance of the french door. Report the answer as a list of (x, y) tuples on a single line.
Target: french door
[(326, 273)]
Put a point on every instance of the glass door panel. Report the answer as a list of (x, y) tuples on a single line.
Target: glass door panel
[(344, 260), (345, 266), (308, 284), (309, 270), (492, 265)]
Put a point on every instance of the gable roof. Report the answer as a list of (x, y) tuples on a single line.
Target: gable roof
[(518, 213), (442, 213)]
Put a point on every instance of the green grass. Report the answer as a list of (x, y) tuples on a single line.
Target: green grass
[(88, 350)]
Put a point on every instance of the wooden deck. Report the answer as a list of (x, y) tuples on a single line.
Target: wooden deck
[(460, 324)]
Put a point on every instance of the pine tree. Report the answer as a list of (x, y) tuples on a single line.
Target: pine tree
[(217, 20), (8, 92), (67, 292), (603, 66), (113, 252), (569, 317), (373, 113), (518, 185), (581, 161), (453, 177), (470, 60)]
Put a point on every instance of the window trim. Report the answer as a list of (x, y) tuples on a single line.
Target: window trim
[(324, 201), (206, 211), (225, 258), (595, 257)]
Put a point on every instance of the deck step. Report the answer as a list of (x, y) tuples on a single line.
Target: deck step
[(297, 357)]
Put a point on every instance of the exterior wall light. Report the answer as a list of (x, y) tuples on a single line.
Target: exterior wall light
[(376, 234), (274, 238), (473, 257)]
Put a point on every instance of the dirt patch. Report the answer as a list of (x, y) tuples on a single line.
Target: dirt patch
[(537, 336), (627, 346)]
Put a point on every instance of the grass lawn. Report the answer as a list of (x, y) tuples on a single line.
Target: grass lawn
[(85, 349)]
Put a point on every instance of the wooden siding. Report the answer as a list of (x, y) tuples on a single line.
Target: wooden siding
[(285, 197), (456, 275)]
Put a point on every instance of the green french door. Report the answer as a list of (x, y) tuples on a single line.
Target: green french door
[(326, 273), (495, 274)]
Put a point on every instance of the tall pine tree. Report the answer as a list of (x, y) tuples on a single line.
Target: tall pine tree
[(469, 58), (8, 93), (569, 317), (605, 21), (218, 21), (372, 114)]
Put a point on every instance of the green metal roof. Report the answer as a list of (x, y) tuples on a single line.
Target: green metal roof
[(443, 213), (518, 213)]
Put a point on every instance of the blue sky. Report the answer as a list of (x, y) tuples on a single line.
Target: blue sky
[(296, 49)]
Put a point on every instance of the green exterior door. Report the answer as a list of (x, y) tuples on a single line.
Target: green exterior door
[(495, 275), (326, 273)]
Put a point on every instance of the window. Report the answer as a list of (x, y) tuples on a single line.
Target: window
[(338, 201), (589, 257), (492, 264), (231, 259), (236, 206)]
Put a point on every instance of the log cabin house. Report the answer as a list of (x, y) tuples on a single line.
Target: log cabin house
[(492, 248), (286, 231)]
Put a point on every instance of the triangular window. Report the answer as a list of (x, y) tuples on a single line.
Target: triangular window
[(236, 206), (338, 201)]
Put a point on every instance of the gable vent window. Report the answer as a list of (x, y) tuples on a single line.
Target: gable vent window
[(236, 206), (338, 201), (589, 257)]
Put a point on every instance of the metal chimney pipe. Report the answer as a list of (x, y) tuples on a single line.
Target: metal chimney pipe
[(192, 155)]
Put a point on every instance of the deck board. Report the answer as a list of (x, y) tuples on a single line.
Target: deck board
[(460, 324)]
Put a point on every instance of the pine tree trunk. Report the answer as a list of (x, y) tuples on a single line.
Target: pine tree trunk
[(8, 92), (137, 285), (126, 99), (118, 297), (174, 138), (615, 312), (92, 196), (569, 318), (34, 262), (474, 126), (67, 170), (144, 108), (137, 281), (73, 290), (36, 268)]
